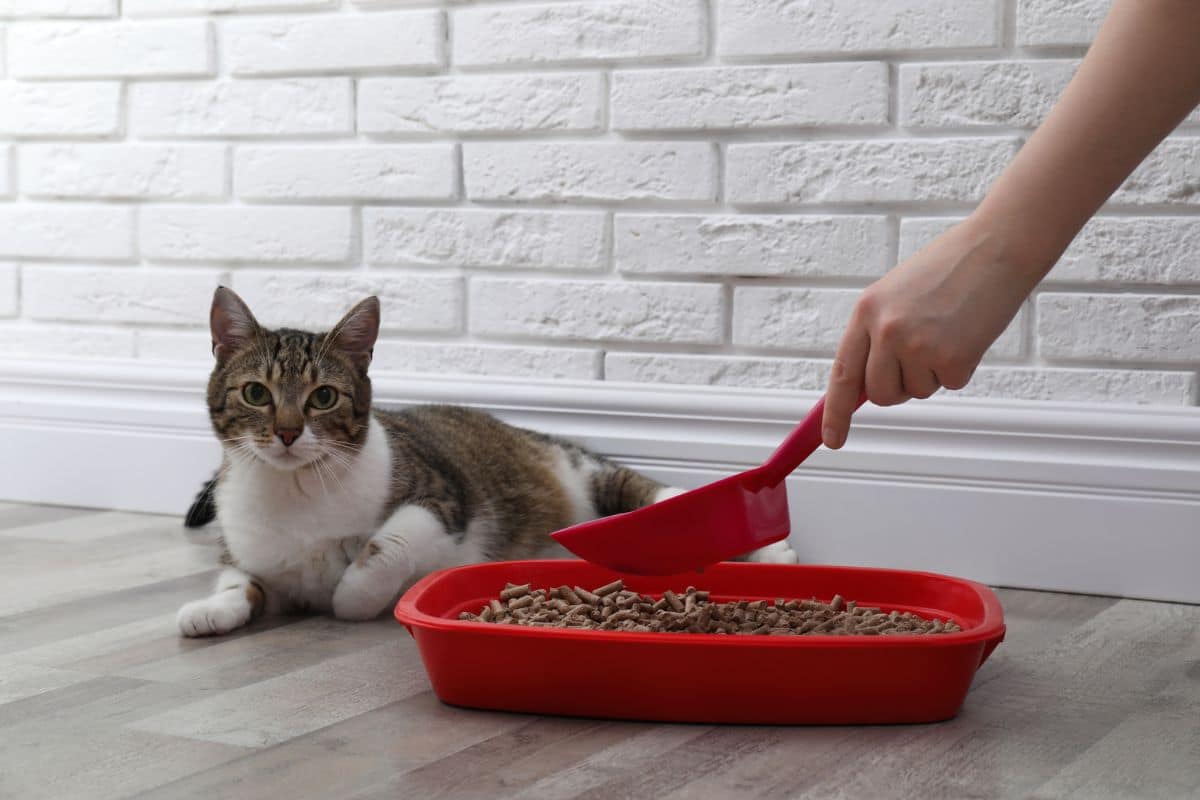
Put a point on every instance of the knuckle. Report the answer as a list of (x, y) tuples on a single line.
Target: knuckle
[(885, 395), (841, 374), (955, 375), (867, 305)]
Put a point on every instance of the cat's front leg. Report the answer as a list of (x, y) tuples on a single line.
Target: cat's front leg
[(412, 537), (237, 599)]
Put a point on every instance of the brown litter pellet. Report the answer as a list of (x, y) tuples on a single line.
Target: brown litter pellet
[(613, 607), (609, 588), (512, 591)]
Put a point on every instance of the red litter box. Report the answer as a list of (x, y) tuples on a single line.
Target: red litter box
[(682, 677)]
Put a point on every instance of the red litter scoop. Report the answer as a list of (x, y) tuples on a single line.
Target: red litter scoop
[(705, 526)]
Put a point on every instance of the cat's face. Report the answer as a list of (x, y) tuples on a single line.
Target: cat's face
[(290, 398)]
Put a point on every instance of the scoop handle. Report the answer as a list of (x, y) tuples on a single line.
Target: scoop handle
[(799, 445)]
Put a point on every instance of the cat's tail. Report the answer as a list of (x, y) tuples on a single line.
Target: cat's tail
[(617, 489), (204, 508)]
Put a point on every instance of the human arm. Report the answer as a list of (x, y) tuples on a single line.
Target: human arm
[(928, 322)]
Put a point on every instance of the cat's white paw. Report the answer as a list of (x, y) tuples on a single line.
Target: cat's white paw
[(668, 492), (362, 594), (214, 615), (777, 553)]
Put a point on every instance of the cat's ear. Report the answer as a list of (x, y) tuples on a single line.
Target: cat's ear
[(355, 334), (231, 322)]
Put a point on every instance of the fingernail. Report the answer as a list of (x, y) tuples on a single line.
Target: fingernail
[(831, 437)]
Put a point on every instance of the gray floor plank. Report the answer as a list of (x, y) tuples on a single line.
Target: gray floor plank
[(1089, 697)]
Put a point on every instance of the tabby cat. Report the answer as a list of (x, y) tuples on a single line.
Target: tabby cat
[(326, 504)]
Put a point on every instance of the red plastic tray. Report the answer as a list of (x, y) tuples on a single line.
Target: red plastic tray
[(682, 677)]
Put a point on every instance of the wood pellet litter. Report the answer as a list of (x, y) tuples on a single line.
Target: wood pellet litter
[(613, 608)]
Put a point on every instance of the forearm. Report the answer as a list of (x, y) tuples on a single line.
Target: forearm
[(1140, 78)]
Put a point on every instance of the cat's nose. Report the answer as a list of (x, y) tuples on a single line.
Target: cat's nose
[(287, 435)]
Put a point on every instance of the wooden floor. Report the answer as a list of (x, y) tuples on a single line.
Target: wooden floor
[(99, 698)]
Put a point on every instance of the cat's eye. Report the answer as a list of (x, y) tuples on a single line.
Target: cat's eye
[(256, 394), (323, 397)]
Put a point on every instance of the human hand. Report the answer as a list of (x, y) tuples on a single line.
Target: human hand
[(927, 323)]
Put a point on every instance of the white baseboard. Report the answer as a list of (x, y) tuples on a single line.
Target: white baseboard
[(1068, 497)]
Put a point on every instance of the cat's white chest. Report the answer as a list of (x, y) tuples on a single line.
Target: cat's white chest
[(298, 531)]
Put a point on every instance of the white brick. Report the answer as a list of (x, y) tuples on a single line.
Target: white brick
[(9, 291), (1059, 22), (158, 8), (304, 107), (33, 230), (1109, 250), (59, 109), (1015, 94), (123, 294), (750, 97), (589, 171), (1081, 385), (413, 172), (597, 310), (288, 45), (109, 49), (575, 32), (167, 345), (761, 373), (1160, 250), (852, 246), (59, 8), (543, 363), (803, 319), (815, 319), (1127, 327), (6, 158), (122, 170), (915, 233), (454, 237), (62, 341), (409, 302), (481, 104), (246, 233), (771, 27), (1170, 175), (871, 171)]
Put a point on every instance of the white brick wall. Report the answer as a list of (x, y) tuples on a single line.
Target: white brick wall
[(786, 96), (251, 234), (8, 290), (481, 104), (586, 171), (1058, 22), (59, 110), (123, 170), (415, 302), (870, 171), (451, 237), (412, 172), (673, 191), (116, 294), (287, 45), (20, 9), (104, 49), (770, 28), (264, 107), (583, 31)]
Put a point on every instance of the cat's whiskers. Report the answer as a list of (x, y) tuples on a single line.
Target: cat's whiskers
[(340, 460), (316, 465)]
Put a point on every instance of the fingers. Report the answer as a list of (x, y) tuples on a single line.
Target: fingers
[(919, 382), (955, 376), (885, 386), (845, 384)]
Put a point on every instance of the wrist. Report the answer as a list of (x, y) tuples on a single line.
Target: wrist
[(1023, 247)]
